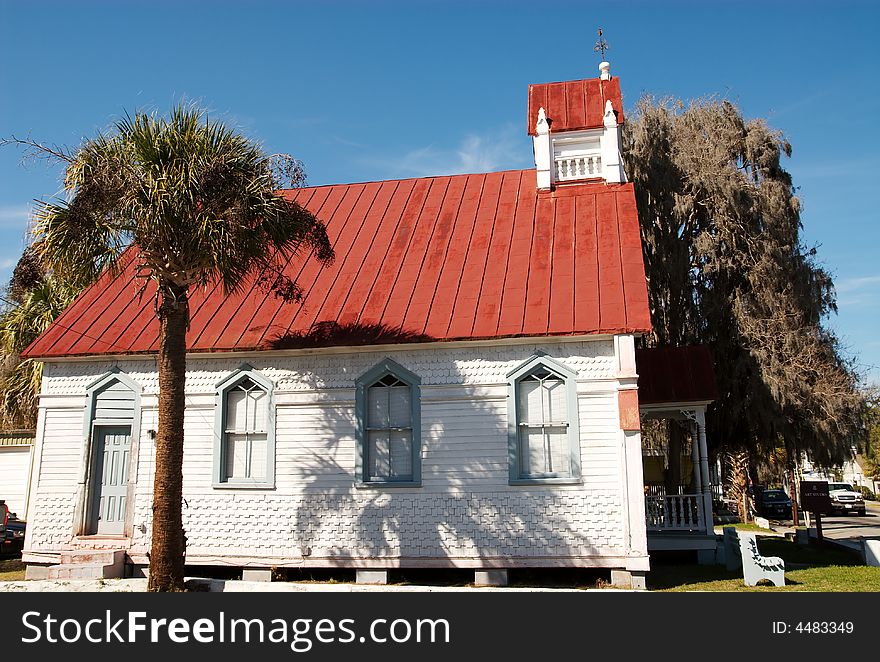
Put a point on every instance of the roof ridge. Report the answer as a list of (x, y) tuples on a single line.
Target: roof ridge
[(409, 179)]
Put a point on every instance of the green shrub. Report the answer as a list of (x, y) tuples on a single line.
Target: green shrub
[(867, 494)]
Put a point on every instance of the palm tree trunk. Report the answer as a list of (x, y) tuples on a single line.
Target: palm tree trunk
[(168, 543)]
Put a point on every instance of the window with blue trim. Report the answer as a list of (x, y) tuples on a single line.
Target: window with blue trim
[(244, 452), (544, 441), (245, 431), (388, 426)]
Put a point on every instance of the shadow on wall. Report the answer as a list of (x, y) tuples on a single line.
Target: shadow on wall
[(455, 514), (332, 334)]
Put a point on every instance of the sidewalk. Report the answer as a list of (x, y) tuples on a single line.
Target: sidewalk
[(237, 586)]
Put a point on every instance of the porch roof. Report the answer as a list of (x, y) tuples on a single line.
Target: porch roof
[(677, 375)]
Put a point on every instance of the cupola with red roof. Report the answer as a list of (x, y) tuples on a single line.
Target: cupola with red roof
[(575, 126)]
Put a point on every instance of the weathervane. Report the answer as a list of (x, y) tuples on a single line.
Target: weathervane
[(601, 45)]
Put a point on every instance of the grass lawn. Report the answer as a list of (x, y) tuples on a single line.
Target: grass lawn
[(808, 568), (11, 570)]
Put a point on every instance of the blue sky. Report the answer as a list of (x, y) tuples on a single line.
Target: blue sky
[(366, 91)]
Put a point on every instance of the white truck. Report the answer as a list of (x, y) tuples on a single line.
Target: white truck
[(845, 500)]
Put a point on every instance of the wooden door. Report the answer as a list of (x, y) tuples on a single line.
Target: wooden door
[(110, 479)]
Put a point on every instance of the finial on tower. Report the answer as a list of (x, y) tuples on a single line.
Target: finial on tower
[(601, 45), (542, 127), (600, 48)]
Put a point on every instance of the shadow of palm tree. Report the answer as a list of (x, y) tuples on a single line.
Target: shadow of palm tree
[(332, 334), (465, 513)]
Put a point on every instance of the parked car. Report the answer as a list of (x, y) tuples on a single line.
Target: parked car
[(844, 499), (774, 503), (12, 532)]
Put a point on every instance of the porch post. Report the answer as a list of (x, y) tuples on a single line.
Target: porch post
[(695, 461), (695, 456), (706, 489)]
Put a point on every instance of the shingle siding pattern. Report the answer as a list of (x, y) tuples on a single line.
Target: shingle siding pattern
[(467, 365)]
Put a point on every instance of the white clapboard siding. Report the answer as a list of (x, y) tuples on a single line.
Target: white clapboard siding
[(464, 442), (61, 459), (600, 447), (198, 448), (115, 402), (314, 447)]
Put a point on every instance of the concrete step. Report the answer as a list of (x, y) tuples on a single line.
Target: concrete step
[(89, 564), (93, 556), (76, 571)]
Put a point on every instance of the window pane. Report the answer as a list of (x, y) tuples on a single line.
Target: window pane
[(258, 456), (400, 406), (258, 401), (236, 410), (555, 406), (401, 456), (544, 451), (236, 456), (559, 460), (530, 402), (378, 455), (377, 407), (532, 459)]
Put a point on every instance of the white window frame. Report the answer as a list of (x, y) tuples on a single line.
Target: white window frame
[(542, 362), (224, 387)]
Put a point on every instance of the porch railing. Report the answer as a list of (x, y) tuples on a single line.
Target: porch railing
[(678, 512)]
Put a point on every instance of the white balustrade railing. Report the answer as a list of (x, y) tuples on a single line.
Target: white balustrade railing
[(678, 512), (578, 167)]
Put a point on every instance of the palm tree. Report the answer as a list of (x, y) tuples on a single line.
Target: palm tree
[(35, 299), (192, 202)]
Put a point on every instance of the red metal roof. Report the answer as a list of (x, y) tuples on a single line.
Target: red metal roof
[(675, 375), (441, 258), (574, 104)]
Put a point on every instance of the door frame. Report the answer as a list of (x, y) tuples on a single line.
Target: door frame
[(82, 511), (94, 484)]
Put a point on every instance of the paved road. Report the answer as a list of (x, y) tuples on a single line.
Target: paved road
[(854, 526), (842, 527)]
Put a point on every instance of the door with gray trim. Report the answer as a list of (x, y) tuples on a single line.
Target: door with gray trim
[(110, 478)]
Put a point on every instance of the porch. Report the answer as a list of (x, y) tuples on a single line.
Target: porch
[(676, 385)]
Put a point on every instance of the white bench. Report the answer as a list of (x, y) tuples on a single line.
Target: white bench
[(757, 567)]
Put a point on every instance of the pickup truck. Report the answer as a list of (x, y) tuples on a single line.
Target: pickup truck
[(844, 499)]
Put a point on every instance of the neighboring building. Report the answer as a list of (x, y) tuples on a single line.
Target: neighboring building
[(16, 462), (458, 389), (850, 472)]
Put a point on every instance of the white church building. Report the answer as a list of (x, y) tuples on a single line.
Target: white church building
[(458, 389)]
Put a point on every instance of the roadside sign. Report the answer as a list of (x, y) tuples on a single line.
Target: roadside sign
[(815, 497)]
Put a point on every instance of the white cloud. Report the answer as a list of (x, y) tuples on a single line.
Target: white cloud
[(14, 216), (858, 291), (498, 150), (855, 284)]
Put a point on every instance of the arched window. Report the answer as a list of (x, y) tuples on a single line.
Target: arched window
[(245, 434), (544, 443), (389, 435)]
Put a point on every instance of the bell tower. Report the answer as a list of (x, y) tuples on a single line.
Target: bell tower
[(575, 128)]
